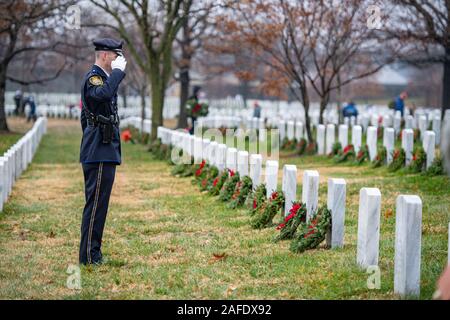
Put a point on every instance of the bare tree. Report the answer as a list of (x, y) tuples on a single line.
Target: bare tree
[(158, 23), (308, 45), (32, 28), (425, 25), (188, 43), (342, 48)]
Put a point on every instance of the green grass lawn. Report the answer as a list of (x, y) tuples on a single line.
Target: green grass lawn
[(7, 140), (18, 127), (162, 234)]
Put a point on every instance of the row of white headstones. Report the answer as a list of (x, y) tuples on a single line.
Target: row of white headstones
[(295, 129), (326, 138), (17, 158), (408, 207)]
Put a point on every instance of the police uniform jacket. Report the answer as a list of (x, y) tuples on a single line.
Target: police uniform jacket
[(99, 97)]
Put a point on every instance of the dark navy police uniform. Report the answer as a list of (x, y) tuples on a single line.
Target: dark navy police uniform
[(97, 156)]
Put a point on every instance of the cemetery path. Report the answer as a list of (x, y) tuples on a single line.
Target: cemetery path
[(164, 239)]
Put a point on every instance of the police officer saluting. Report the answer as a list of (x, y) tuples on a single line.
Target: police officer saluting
[(100, 145)]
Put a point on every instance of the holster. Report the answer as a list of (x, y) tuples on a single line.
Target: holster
[(106, 128)]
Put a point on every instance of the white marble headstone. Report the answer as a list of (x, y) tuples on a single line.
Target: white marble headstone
[(372, 137), (242, 162), (289, 186), (212, 153), (336, 203), (290, 130), (271, 177), (356, 137), (321, 139), (368, 227), (231, 162), (408, 144), (330, 138), (409, 122), (310, 191), (389, 143), (437, 129), (386, 121), (282, 129), (408, 240), (255, 169), (221, 157), (429, 146), (343, 135), (198, 149), (298, 130), (422, 126), (397, 122)]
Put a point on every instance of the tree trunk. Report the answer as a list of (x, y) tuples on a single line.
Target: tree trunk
[(244, 89), (160, 72), (307, 120), (157, 95), (323, 105), (185, 79), (446, 82), (3, 123), (339, 97), (142, 94), (184, 95)]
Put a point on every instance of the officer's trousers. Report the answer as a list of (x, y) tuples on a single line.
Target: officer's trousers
[(98, 181)]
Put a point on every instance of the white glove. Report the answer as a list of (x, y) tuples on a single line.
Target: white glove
[(119, 63)]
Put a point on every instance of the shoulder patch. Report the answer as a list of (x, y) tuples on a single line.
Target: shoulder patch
[(96, 80)]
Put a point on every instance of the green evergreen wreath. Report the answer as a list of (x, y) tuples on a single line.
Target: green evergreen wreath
[(241, 192), (211, 173), (218, 183), (228, 188), (398, 160), (188, 170), (335, 149), (257, 198), (380, 159), (301, 146), (196, 109), (419, 160), (311, 148), (200, 171), (344, 155), (310, 235), (296, 217), (159, 150), (183, 169), (179, 169), (288, 145), (363, 155), (436, 168), (264, 216)]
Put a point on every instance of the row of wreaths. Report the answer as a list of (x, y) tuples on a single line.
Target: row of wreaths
[(340, 155), (238, 192)]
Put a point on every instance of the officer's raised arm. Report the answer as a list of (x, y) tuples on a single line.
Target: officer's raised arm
[(101, 86), (102, 91)]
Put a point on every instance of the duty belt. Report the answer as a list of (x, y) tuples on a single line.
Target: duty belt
[(94, 121)]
